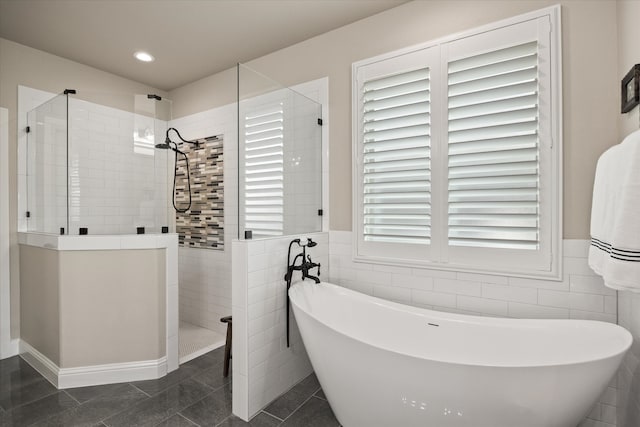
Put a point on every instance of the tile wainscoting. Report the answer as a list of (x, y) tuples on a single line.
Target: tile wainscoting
[(263, 366), (580, 295), (628, 413)]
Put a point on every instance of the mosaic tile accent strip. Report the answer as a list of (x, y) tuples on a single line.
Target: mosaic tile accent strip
[(202, 226)]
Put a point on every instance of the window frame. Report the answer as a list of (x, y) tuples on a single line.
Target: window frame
[(500, 262)]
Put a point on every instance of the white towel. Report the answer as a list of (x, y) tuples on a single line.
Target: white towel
[(614, 253)]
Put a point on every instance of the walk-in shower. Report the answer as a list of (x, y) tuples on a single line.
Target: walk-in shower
[(96, 178)]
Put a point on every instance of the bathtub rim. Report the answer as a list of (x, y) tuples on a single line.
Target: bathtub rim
[(460, 318)]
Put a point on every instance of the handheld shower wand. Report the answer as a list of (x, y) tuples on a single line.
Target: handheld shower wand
[(170, 145)]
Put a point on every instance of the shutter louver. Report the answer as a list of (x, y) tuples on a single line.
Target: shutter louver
[(493, 162), (396, 158), (264, 171)]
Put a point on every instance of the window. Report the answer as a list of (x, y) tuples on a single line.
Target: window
[(457, 151)]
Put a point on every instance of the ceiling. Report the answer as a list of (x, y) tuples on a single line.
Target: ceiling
[(190, 39)]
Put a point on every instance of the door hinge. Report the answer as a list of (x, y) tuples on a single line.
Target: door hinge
[(27, 129), (320, 122)]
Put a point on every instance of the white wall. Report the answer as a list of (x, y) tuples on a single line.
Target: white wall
[(7, 346)]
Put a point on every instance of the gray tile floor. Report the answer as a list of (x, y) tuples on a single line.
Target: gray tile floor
[(195, 395)]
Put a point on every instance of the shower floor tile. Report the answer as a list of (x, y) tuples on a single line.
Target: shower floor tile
[(195, 341)]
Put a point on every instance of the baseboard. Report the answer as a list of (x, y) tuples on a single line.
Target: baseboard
[(39, 362), (92, 375), (9, 349)]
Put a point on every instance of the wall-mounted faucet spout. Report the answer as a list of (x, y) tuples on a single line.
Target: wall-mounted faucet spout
[(306, 266)]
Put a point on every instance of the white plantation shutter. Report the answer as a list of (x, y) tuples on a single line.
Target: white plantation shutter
[(493, 160), (264, 170), (396, 156), (456, 164), (502, 179), (392, 183)]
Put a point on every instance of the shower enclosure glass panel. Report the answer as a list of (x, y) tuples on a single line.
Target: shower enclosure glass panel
[(95, 166), (47, 167), (150, 123), (279, 159), (115, 173)]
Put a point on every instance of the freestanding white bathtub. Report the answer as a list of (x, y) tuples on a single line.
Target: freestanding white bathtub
[(386, 364)]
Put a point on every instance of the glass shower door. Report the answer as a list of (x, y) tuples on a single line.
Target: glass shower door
[(47, 189)]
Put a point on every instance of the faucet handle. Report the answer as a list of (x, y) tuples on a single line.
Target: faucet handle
[(313, 264)]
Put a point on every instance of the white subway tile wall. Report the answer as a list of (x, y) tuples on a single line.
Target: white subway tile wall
[(628, 399), (262, 364), (580, 295), (205, 274), (205, 287)]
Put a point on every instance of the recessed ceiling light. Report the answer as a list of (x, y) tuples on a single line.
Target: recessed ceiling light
[(144, 56)]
